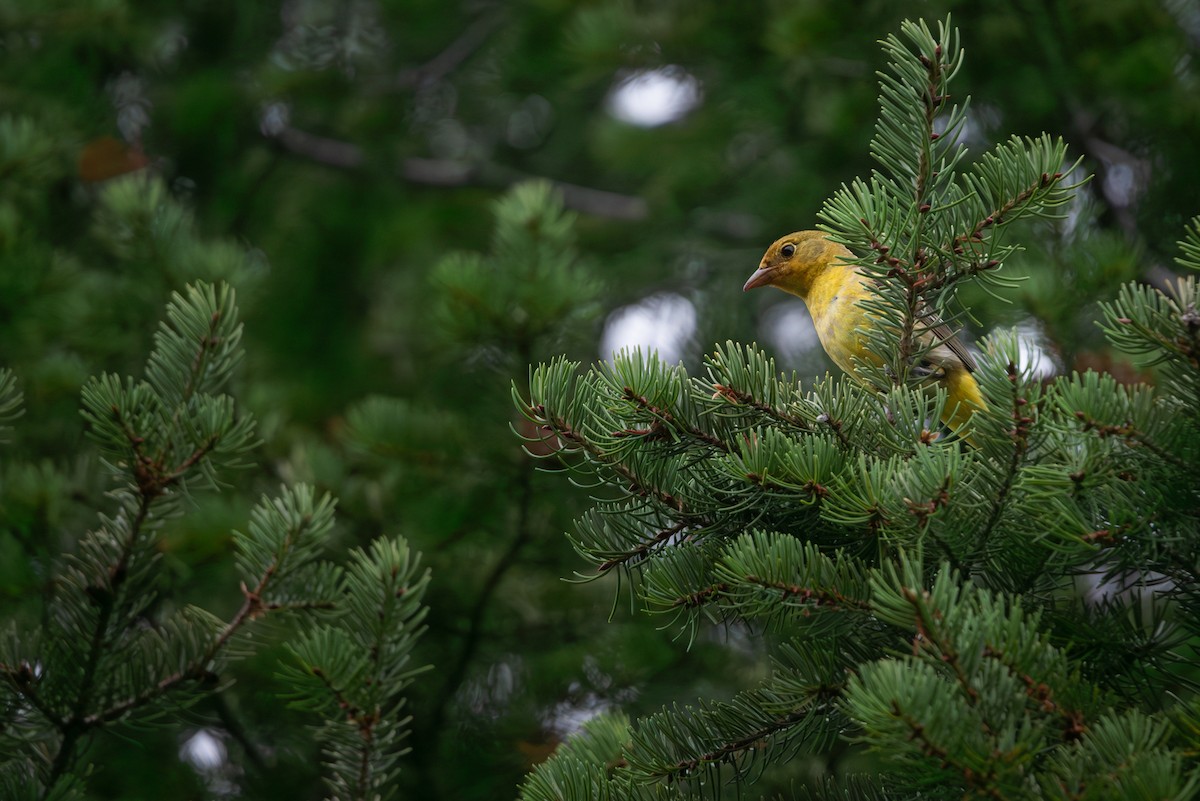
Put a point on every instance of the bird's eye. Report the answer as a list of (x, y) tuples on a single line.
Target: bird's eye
[(788, 250)]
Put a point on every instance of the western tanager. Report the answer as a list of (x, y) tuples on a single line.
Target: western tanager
[(814, 269)]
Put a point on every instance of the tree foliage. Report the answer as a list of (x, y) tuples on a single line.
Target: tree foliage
[(106, 651), (358, 173), (929, 598)]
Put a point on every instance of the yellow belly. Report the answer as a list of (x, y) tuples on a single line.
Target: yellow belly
[(837, 316)]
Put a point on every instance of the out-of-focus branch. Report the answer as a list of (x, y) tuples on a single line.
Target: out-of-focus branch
[(1133, 176), (446, 61), (443, 172), (321, 149), (1121, 194)]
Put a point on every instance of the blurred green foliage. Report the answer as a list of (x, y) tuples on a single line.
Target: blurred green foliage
[(325, 157)]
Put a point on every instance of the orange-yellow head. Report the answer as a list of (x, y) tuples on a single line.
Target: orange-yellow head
[(795, 261)]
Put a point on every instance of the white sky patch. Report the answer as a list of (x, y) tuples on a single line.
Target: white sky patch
[(274, 118), (1121, 184), (789, 328), (1031, 350), (585, 701), (664, 322), (204, 751), (1128, 587), (738, 637), (649, 98), (567, 717), (965, 133)]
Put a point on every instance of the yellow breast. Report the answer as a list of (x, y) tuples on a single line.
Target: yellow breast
[(833, 302)]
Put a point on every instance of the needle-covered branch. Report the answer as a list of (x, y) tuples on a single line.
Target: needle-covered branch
[(107, 651), (927, 220), (1006, 617)]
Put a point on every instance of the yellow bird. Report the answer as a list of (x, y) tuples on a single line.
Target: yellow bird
[(811, 267)]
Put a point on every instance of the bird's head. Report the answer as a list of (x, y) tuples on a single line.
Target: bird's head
[(794, 261)]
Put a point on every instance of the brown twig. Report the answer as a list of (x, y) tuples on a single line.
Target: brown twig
[(445, 62), (447, 173)]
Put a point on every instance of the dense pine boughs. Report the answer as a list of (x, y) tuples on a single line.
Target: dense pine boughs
[(924, 222), (109, 652), (1013, 618), (352, 672), (415, 201)]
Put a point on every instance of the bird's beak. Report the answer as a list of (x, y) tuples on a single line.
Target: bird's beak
[(762, 276)]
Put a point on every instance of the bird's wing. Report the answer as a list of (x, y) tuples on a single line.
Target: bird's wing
[(949, 347)]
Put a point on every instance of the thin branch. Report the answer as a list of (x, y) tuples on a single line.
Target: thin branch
[(195, 671), (449, 59), (643, 548), (366, 730), (740, 398), (1042, 696), (191, 461), (830, 599), (1132, 436), (196, 370), (637, 486), (929, 629), (485, 598), (599, 202), (234, 727), (446, 173), (200, 361), (727, 752), (321, 149), (23, 678), (1020, 434), (74, 726), (982, 783), (252, 607), (665, 417), (700, 597), (835, 426)]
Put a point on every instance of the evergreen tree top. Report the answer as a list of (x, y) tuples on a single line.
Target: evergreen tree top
[(926, 597)]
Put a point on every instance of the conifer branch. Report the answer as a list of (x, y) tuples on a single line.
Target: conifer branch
[(1131, 435), (816, 596), (1020, 434), (1042, 696), (932, 633), (24, 680), (985, 705), (644, 549), (75, 725), (1041, 185), (727, 752), (636, 486), (835, 426), (666, 418), (444, 173), (205, 350), (748, 400), (983, 784), (701, 596), (251, 609), (932, 99)]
